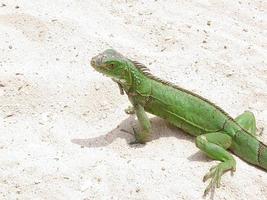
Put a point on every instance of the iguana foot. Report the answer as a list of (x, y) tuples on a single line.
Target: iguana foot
[(135, 142), (140, 138), (215, 174), (130, 110)]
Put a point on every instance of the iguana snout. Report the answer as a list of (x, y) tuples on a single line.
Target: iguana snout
[(110, 63), (96, 61), (105, 58)]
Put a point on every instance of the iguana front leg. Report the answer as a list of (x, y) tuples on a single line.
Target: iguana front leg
[(145, 127), (215, 145)]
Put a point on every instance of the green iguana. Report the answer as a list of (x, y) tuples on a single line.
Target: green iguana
[(215, 131)]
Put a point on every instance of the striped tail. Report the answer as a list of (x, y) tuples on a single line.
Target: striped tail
[(262, 155), (250, 149)]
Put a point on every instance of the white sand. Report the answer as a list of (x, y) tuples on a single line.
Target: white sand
[(60, 120)]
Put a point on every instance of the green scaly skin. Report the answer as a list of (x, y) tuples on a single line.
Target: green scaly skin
[(215, 131)]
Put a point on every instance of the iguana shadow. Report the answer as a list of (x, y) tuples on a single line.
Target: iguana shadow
[(160, 128)]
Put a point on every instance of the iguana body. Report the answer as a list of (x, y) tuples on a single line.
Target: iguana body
[(214, 129)]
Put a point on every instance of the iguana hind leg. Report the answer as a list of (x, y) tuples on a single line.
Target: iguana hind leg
[(247, 121), (215, 145)]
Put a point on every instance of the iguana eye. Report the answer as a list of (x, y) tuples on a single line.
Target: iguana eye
[(111, 65)]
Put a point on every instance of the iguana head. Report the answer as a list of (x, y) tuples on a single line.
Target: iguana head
[(112, 64)]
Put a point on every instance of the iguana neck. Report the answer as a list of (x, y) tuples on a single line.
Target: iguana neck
[(133, 81), (125, 83)]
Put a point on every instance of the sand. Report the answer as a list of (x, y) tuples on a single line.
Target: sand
[(61, 122)]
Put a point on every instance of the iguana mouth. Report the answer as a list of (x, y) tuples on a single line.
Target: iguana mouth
[(98, 64), (93, 62), (96, 61)]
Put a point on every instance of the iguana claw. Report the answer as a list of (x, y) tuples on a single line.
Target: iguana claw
[(135, 135), (215, 173), (138, 138), (135, 141), (130, 110)]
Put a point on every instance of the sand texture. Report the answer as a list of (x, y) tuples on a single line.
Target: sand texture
[(61, 122)]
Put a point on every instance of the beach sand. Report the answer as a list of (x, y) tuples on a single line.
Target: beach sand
[(61, 122)]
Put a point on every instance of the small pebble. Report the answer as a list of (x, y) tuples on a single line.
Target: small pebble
[(97, 87)]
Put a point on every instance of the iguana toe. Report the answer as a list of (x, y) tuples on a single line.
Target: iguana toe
[(130, 110), (215, 175)]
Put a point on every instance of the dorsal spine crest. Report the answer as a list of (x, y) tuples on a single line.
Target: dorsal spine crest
[(145, 71)]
